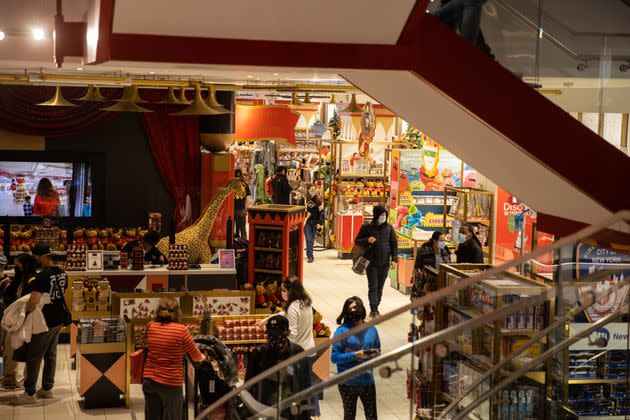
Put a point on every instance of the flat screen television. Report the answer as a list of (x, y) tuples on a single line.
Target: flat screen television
[(39, 185)]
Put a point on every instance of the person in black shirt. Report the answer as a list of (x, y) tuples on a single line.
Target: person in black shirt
[(469, 249), (288, 381), (380, 245), (43, 346), (280, 187), (313, 209), (240, 205), (152, 255)]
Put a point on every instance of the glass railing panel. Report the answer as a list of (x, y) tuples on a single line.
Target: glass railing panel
[(483, 342)]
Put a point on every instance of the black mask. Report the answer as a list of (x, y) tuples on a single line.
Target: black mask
[(18, 272), (278, 342), (353, 316)]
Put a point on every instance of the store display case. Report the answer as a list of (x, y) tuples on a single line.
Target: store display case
[(276, 242), (102, 376), (470, 206)]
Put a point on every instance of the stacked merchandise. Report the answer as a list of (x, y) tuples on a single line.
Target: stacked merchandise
[(518, 402), (239, 329), (90, 294), (105, 330), (76, 258), (479, 207), (529, 319), (137, 258), (178, 257), (47, 233)]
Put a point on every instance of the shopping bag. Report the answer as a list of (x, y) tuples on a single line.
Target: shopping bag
[(136, 360), (360, 258)]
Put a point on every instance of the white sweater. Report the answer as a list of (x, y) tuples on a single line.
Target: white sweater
[(22, 326), (300, 324)]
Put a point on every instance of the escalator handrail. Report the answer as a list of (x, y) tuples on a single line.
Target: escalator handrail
[(621, 216)]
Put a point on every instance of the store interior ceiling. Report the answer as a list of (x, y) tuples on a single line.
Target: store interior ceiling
[(575, 34)]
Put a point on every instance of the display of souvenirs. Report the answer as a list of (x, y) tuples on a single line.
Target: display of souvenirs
[(142, 307), (479, 207), (239, 329), (90, 294), (140, 329), (268, 239), (361, 188), (269, 260), (102, 330), (111, 260), (76, 258), (137, 258), (178, 257)]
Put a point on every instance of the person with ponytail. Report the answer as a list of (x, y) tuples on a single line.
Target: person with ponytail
[(167, 342)]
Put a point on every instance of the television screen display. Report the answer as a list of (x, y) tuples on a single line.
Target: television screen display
[(45, 189)]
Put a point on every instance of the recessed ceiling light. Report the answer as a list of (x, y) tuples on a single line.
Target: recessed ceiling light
[(1, 35), (249, 77), (38, 34), (79, 68), (275, 74), (151, 72)]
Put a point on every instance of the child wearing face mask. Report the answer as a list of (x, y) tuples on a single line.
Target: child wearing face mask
[(351, 352), (433, 252)]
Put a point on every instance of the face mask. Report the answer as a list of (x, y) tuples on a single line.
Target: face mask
[(285, 296), (277, 342), (353, 316), (462, 237), (312, 192), (441, 244), (382, 219)]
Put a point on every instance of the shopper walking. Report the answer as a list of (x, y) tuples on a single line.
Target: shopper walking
[(469, 249), (287, 381), (314, 207), (25, 272), (351, 352), (433, 252), (380, 247), (241, 195), (43, 346), (280, 187), (47, 199), (167, 342), (465, 16)]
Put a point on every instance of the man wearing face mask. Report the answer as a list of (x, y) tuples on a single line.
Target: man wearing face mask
[(314, 207), (378, 240), (433, 252), (286, 382), (469, 249)]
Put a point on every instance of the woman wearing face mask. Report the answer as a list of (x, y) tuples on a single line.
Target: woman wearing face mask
[(351, 352), (469, 249), (433, 252), (314, 207), (378, 239)]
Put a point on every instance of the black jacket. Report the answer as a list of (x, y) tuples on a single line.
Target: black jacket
[(426, 255), (385, 249), (470, 251), (293, 380), (281, 189)]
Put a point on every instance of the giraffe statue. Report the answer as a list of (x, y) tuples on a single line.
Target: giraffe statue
[(196, 235)]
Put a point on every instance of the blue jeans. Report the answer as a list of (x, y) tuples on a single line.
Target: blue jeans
[(464, 15), (376, 280), (310, 230)]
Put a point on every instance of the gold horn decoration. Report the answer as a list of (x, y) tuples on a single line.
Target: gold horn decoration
[(307, 98), (57, 99), (93, 94), (128, 102), (170, 97), (198, 106), (295, 101), (214, 104), (352, 107), (182, 96), (333, 99)]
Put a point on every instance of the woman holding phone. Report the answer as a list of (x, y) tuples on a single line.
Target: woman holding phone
[(351, 352)]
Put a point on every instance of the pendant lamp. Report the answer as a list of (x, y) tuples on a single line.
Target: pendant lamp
[(170, 98), (352, 107), (128, 102), (182, 96), (93, 94), (307, 98), (295, 101), (213, 103), (198, 106), (333, 99), (57, 99)]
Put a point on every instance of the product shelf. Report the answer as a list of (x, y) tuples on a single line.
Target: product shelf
[(261, 270), (268, 249), (597, 381)]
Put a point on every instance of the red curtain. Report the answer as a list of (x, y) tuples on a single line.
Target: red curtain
[(19, 112), (175, 145)]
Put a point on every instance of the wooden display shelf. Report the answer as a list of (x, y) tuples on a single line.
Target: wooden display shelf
[(263, 227), (259, 248), (597, 381), (263, 270), (243, 342)]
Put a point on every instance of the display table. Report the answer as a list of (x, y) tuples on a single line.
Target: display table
[(347, 227), (160, 278)]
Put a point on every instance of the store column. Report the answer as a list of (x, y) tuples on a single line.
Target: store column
[(217, 165)]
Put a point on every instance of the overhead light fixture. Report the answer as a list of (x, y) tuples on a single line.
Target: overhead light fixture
[(80, 68), (38, 34), (93, 94), (2, 35), (275, 74), (151, 72), (170, 97), (213, 103), (128, 102), (352, 107), (307, 98), (198, 106), (295, 101), (57, 99), (182, 96), (333, 99)]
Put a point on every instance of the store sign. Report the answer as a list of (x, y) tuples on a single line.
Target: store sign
[(589, 259), (613, 336), (265, 122)]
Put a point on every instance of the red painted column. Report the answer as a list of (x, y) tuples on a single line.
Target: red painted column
[(217, 169)]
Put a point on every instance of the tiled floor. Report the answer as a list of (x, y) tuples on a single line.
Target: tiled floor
[(329, 280)]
